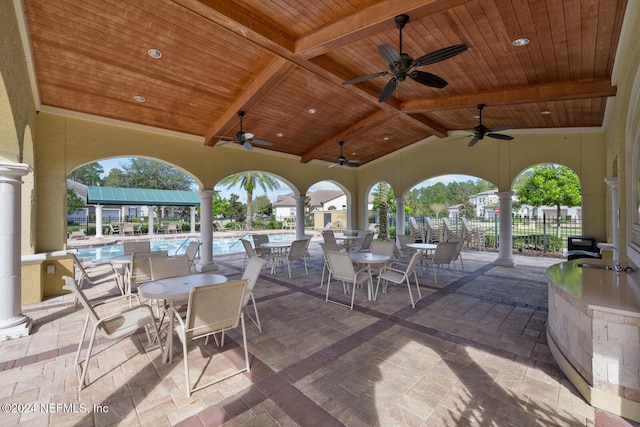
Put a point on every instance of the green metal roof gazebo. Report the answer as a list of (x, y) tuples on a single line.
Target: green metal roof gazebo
[(140, 196)]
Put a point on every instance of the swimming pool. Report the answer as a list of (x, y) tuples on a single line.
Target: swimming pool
[(172, 246)]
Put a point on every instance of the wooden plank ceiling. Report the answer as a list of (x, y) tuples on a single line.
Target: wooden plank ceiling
[(276, 60)]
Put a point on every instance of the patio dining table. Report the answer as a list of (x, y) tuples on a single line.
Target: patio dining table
[(172, 289), (368, 258)]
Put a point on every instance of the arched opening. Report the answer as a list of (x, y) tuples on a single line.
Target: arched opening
[(328, 204)]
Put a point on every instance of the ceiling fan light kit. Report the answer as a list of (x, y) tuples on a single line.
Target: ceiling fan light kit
[(401, 65)]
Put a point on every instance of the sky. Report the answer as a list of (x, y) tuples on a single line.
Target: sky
[(107, 165)]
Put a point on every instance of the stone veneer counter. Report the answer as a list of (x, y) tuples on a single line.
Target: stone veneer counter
[(593, 333)]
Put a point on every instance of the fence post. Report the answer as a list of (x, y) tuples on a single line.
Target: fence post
[(495, 228), (544, 233)]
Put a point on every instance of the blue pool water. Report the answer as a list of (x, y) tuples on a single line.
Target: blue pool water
[(173, 246)]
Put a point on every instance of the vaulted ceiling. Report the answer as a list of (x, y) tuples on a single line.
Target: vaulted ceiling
[(278, 60)]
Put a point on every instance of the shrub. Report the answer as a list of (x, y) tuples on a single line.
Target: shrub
[(536, 242)]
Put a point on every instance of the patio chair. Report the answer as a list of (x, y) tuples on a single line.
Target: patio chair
[(365, 244), (112, 326), (341, 268), (444, 254), (128, 228), (466, 231), (191, 252), (297, 252), (113, 229), (251, 274), (405, 252), (140, 271), (398, 276), (259, 239), (458, 252), (130, 247), (330, 237), (96, 274), (382, 247), (326, 267), (169, 266), (212, 309), (432, 233), (417, 230), (446, 232)]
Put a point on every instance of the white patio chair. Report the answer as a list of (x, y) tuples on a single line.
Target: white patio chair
[(341, 268), (259, 239), (327, 268), (130, 247), (114, 325), (398, 276), (365, 245), (444, 254), (251, 273), (212, 309), (458, 252), (297, 252), (96, 274), (191, 252), (140, 271), (382, 247)]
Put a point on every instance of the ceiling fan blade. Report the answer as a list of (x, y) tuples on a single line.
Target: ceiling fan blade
[(428, 79), (247, 145), (439, 55), (389, 53), (261, 142), (501, 128), (474, 141), (365, 78), (388, 90), (500, 136)]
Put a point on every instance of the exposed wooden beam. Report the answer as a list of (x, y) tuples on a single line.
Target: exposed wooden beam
[(349, 133), (366, 22), (253, 93), (537, 93)]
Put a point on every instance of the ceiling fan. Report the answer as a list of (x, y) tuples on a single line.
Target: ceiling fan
[(480, 131), (400, 64), (243, 138), (342, 161)]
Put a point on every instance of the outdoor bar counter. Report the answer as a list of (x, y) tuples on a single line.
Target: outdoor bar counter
[(593, 332)]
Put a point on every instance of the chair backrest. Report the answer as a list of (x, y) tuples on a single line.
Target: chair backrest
[(404, 239), (460, 243), (248, 248), (415, 260), (71, 285), (297, 250), (214, 308), (131, 247), (192, 250), (383, 247), (429, 223), (259, 239), (251, 273), (445, 252), (329, 237), (172, 266), (79, 266), (326, 246), (366, 241), (341, 265), (141, 266), (465, 224)]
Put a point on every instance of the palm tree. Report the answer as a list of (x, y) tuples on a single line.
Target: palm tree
[(249, 181)]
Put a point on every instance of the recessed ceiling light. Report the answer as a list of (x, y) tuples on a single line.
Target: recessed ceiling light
[(522, 41), (311, 111), (545, 112), (154, 53), (139, 98), (279, 134), (386, 138), (476, 116)]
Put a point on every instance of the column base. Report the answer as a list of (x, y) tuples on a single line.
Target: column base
[(505, 262), (18, 328), (203, 268)]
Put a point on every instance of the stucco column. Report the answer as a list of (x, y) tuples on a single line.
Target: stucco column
[(299, 217), (206, 232), (399, 216), (612, 182), (505, 257), (151, 221), (13, 324), (192, 219), (99, 221)]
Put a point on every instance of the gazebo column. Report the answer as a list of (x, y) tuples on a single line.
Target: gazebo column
[(99, 221), (505, 257), (193, 219), (399, 216), (299, 217), (206, 232), (13, 324), (151, 221)]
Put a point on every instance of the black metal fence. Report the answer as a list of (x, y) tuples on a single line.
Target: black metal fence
[(531, 236)]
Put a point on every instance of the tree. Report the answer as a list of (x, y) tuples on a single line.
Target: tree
[(236, 208), (89, 174), (249, 181), (381, 203), (74, 202), (438, 208), (550, 185), (116, 178), (262, 205), (144, 173), (219, 207)]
